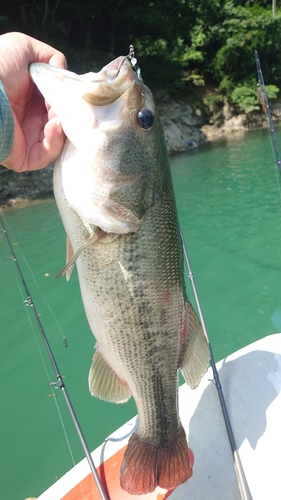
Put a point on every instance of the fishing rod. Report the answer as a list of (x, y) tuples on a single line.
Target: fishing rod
[(263, 100), (59, 382), (241, 478)]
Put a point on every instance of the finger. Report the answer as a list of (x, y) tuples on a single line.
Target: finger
[(45, 53), (59, 60), (45, 152)]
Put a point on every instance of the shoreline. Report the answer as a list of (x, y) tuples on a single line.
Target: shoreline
[(185, 128)]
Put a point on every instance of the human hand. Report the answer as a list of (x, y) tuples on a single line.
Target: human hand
[(38, 135)]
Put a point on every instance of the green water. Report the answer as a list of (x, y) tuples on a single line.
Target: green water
[(229, 208)]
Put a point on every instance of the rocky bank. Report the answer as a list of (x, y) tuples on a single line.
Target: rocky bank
[(185, 127)]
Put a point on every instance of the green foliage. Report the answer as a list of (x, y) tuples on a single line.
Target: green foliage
[(244, 30), (179, 44), (271, 91), (244, 96), (214, 100)]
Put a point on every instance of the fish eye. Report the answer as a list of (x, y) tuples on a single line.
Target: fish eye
[(145, 119)]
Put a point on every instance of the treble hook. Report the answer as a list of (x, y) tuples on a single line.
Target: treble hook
[(130, 57)]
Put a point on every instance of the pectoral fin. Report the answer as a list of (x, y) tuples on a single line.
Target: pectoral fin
[(71, 257), (105, 384), (195, 352)]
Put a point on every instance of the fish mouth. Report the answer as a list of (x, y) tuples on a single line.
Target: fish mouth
[(111, 71), (98, 89), (110, 83)]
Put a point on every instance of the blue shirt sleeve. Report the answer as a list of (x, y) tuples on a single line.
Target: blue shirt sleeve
[(6, 125)]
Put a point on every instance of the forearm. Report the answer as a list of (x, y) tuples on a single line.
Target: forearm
[(6, 125)]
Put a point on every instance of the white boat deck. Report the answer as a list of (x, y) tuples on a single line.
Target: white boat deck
[(251, 383)]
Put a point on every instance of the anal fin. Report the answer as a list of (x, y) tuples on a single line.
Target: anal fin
[(105, 384), (195, 352)]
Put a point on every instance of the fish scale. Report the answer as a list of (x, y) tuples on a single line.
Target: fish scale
[(149, 281)]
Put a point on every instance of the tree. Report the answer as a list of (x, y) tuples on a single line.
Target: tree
[(179, 43)]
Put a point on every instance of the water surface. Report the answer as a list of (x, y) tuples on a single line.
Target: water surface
[(229, 208)]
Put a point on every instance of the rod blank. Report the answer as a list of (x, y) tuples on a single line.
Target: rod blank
[(241, 478), (61, 384)]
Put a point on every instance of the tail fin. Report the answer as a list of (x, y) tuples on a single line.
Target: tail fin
[(146, 466)]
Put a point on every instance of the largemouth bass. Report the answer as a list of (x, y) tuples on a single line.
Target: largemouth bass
[(114, 192)]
